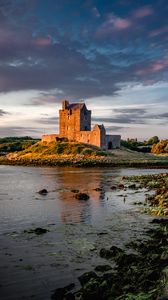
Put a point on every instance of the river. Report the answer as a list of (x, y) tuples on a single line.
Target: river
[(32, 266)]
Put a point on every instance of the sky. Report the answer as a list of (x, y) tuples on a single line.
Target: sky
[(112, 54)]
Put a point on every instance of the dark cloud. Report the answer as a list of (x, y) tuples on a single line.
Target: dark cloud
[(48, 120), (131, 111), (114, 128), (20, 131), (132, 116), (3, 112), (46, 98), (80, 57)]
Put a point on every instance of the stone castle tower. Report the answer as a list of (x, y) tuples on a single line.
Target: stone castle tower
[(75, 125), (74, 118)]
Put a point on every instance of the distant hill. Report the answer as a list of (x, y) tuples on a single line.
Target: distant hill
[(12, 144)]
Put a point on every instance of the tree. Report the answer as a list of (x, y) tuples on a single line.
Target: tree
[(153, 140)]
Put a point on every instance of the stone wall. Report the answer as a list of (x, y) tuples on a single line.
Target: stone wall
[(48, 138), (112, 141), (69, 123), (85, 120), (72, 121)]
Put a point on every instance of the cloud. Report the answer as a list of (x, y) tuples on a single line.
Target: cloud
[(114, 128), (153, 67), (46, 98), (143, 11), (111, 25), (3, 113), (158, 31), (37, 54), (95, 12), (48, 120), (42, 41), (20, 131), (131, 116)]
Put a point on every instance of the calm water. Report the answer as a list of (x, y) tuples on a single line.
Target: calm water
[(32, 266)]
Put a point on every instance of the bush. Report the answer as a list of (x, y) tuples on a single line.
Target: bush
[(160, 148), (87, 151), (101, 153)]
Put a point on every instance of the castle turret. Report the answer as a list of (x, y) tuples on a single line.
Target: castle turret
[(65, 104)]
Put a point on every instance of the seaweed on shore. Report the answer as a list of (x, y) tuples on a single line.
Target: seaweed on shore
[(140, 276), (157, 203)]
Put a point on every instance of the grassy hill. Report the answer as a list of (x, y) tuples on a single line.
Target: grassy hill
[(80, 155), (59, 149)]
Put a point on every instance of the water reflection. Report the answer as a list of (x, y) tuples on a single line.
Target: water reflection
[(78, 211)]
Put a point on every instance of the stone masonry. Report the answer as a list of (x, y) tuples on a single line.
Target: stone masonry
[(75, 125)]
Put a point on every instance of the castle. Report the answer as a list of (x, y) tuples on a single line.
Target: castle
[(75, 125)]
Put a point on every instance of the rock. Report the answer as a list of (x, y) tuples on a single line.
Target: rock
[(86, 277), (132, 186), (121, 186), (116, 251), (98, 189), (106, 253), (126, 259), (69, 296), (102, 233), (113, 187), (92, 290), (103, 268), (82, 196), (58, 294), (62, 293), (40, 230), (43, 192), (160, 221), (37, 231)]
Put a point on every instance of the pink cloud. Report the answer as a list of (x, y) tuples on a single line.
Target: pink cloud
[(153, 68), (121, 23), (117, 23), (159, 31), (143, 12), (113, 24), (43, 41)]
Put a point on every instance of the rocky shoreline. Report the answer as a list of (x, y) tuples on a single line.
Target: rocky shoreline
[(78, 161), (157, 196), (140, 272)]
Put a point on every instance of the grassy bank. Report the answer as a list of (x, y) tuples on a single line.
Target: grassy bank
[(80, 155)]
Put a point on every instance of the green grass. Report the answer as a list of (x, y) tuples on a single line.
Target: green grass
[(62, 148)]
